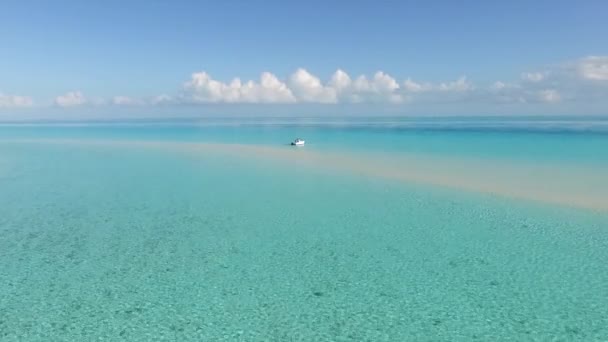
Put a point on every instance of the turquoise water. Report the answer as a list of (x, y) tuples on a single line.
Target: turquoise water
[(118, 240)]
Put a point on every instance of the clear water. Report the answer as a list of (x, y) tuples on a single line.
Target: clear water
[(117, 241)]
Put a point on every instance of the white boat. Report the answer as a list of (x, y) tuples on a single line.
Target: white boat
[(298, 142)]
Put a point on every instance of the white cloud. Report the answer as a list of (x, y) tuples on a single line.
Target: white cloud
[(126, 101), (523, 93), (532, 76), (579, 80), (414, 87), (308, 88), (301, 86), (381, 88), (71, 99), (383, 83), (305, 87), (385, 86), (340, 81), (504, 92), (161, 99), (594, 68), (498, 85), (15, 101), (121, 100), (549, 96), (574, 80), (460, 85), (201, 88)]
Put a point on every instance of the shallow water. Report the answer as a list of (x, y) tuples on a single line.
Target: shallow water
[(155, 235)]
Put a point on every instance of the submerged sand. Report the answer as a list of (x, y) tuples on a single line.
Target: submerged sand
[(580, 186)]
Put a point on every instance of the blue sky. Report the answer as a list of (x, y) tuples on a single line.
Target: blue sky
[(125, 57)]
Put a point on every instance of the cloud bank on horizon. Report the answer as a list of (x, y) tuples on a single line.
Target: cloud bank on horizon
[(15, 101), (585, 79)]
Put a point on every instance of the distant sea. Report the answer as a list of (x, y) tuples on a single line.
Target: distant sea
[(379, 229)]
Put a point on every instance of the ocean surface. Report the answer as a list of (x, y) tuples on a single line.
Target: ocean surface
[(456, 229)]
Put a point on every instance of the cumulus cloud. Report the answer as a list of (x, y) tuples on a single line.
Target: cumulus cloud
[(533, 76), (15, 101), (71, 99), (579, 80), (587, 69), (498, 85), (410, 86), (502, 92), (300, 87), (582, 80), (162, 99), (308, 88), (126, 101), (380, 88), (505, 92), (549, 96), (202, 88), (594, 68), (303, 86), (340, 81), (460, 85)]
